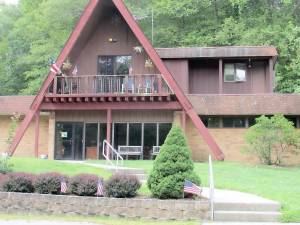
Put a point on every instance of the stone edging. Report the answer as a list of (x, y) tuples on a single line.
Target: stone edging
[(130, 208)]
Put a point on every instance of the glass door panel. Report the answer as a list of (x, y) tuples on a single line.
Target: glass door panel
[(78, 141), (91, 141), (164, 129), (120, 134), (68, 141), (63, 141), (135, 134), (102, 137), (150, 138)]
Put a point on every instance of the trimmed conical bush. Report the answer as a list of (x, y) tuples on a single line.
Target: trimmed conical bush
[(171, 167)]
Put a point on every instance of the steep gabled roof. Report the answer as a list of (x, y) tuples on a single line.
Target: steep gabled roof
[(84, 24)]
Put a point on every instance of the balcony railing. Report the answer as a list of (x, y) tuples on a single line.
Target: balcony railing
[(150, 84)]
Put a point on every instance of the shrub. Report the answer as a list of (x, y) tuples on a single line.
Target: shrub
[(48, 183), (84, 185), (18, 182), (271, 139), (5, 165), (122, 186), (172, 167)]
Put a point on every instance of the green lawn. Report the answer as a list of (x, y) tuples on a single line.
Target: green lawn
[(37, 166), (276, 183), (93, 219)]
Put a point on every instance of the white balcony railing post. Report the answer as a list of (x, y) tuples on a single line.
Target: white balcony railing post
[(114, 84)]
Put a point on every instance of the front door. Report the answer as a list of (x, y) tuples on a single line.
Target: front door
[(69, 141)]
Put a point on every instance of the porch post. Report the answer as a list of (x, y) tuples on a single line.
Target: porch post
[(108, 126), (271, 75), (220, 76), (37, 134), (183, 120)]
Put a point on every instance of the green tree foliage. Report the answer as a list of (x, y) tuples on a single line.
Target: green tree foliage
[(229, 22), (37, 34), (272, 138), (171, 167), (36, 30)]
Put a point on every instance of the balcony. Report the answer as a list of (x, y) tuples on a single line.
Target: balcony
[(112, 85), (109, 89)]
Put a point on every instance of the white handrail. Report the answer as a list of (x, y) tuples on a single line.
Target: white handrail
[(211, 187), (107, 148)]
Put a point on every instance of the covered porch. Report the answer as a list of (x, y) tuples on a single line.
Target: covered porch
[(135, 134)]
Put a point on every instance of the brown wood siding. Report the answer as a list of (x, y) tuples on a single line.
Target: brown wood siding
[(255, 83), (98, 44), (204, 77), (180, 70), (165, 116), (81, 116)]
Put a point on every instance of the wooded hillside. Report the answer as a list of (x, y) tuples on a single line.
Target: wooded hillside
[(34, 32)]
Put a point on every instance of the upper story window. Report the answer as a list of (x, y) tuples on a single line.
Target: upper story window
[(235, 72), (114, 65)]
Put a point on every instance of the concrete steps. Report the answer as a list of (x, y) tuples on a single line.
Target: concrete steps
[(247, 212)]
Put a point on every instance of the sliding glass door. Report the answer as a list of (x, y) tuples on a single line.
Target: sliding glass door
[(68, 141)]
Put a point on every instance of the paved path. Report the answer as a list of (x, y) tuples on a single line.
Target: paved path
[(251, 223), (228, 196), (24, 222)]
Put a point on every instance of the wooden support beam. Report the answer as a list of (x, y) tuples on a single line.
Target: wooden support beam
[(108, 125), (160, 98), (78, 99), (118, 99), (183, 120), (112, 105), (102, 99), (86, 99), (151, 98), (62, 100), (70, 99), (220, 76), (110, 99), (143, 98), (134, 98), (94, 99), (54, 100), (37, 134)]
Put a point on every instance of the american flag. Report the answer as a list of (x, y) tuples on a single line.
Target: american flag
[(192, 188), (63, 186), (100, 191), (55, 69)]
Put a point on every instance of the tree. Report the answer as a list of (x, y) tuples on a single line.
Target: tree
[(171, 167), (272, 138)]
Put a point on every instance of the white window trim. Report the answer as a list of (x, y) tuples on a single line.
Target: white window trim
[(235, 69)]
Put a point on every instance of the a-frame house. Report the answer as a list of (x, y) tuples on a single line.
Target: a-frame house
[(115, 78)]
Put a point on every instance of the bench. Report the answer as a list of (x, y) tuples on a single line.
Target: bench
[(155, 151), (130, 150)]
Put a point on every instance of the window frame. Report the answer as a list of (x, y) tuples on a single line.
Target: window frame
[(236, 66), (113, 63)]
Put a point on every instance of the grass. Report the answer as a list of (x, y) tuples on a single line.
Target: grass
[(36, 166), (276, 183), (92, 219), (281, 184)]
